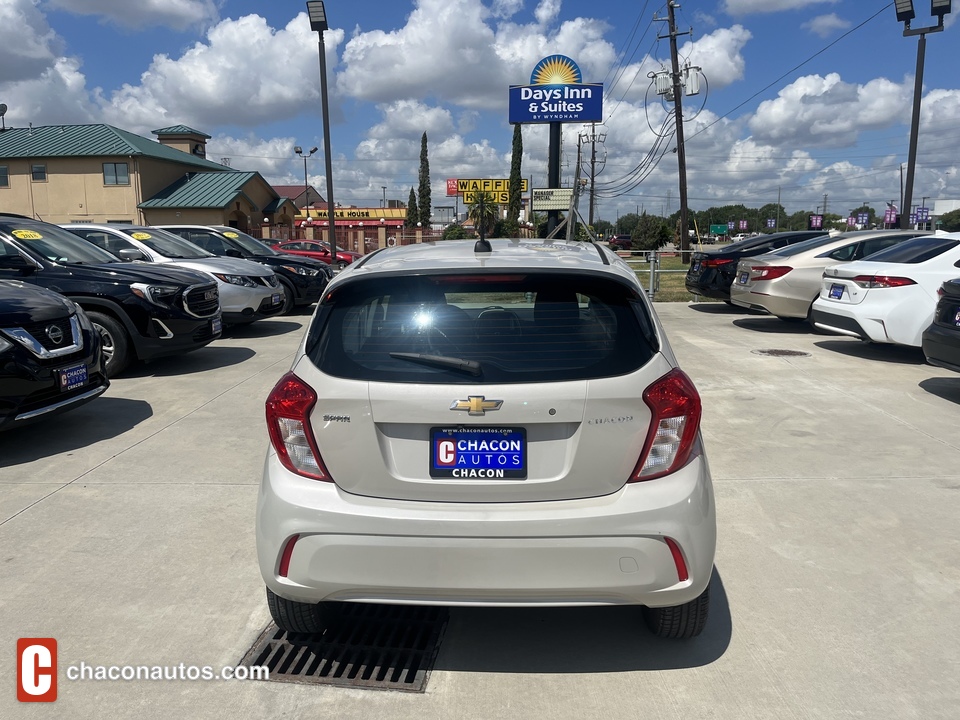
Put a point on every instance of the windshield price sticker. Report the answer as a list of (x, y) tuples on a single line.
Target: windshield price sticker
[(141, 236), (495, 453), (27, 235)]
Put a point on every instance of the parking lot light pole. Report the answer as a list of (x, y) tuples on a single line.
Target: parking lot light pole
[(318, 23), (306, 185), (905, 13)]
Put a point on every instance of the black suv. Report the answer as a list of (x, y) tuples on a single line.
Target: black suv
[(303, 279), (712, 273), (141, 311), (50, 358)]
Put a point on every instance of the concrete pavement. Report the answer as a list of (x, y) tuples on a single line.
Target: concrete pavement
[(126, 532)]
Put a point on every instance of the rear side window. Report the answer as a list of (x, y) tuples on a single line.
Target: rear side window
[(915, 251), (475, 329)]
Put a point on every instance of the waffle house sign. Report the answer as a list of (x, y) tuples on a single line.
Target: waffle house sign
[(495, 190)]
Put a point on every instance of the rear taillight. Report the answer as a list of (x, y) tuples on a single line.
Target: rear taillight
[(716, 262), (882, 281), (675, 422), (288, 421), (768, 272)]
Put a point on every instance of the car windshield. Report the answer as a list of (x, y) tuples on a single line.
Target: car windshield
[(504, 328), (54, 243), (917, 250), (250, 244), (167, 244)]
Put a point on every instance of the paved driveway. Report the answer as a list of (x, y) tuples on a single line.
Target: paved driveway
[(126, 533)]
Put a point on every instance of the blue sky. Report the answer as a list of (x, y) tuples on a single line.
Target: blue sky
[(802, 97)]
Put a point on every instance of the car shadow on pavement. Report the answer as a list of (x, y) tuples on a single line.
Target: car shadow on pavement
[(718, 307), (261, 328), (886, 352), (947, 388), (208, 358), (776, 326), (577, 640), (102, 419)]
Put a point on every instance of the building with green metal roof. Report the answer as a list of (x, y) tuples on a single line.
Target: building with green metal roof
[(100, 173)]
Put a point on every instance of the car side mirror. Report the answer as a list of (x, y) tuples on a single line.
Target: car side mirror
[(233, 253), (131, 254), (17, 262)]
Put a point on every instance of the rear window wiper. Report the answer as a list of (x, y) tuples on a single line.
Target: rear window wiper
[(471, 367)]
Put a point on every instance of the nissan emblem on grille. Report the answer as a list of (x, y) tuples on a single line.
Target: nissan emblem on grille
[(55, 334)]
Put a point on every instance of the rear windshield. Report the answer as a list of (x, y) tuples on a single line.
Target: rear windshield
[(805, 245), (475, 329), (915, 251)]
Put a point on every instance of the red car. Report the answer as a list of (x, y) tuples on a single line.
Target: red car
[(317, 250)]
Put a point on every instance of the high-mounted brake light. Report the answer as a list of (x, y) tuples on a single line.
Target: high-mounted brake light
[(675, 422), (288, 420), (769, 272), (882, 281)]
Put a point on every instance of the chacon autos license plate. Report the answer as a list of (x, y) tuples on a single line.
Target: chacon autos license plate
[(696, 267), (836, 292), (72, 377), (275, 299), (497, 453), (743, 278), (216, 325)]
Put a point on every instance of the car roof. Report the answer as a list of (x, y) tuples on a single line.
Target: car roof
[(505, 254)]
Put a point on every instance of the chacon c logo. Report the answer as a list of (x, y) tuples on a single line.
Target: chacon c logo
[(36, 669)]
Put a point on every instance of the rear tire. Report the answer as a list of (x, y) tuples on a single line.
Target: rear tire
[(114, 341), (342, 264), (298, 617), (679, 621)]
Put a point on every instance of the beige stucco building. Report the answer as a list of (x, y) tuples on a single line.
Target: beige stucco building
[(99, 173)]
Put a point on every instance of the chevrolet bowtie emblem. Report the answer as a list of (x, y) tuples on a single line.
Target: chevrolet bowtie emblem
[(476, 405)]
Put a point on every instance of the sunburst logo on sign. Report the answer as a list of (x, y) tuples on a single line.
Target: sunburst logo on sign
[(556, 70)]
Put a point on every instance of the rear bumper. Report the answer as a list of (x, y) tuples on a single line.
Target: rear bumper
[(844, 325), (769, 303), (942, 347), (591, 551)]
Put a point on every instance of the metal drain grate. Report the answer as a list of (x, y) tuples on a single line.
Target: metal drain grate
[(781, 353), (385, 647)]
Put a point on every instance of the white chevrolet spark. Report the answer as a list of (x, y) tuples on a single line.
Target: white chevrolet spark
[(502, 427)]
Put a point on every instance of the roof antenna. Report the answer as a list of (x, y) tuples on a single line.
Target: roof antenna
[(3, 111), (482, 245)]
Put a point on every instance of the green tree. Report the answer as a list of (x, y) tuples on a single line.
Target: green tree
[(424, 193), (651, 233), (516, 179), (454, 231), (626, 224), (412, 214), (484, 215), (950, 222)]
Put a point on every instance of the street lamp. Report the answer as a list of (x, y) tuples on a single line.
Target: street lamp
[(306, 185), (318, 23), (905, 14)]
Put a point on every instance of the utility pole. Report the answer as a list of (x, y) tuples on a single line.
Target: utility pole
[(825, 203), (678, 118), (593, 138)]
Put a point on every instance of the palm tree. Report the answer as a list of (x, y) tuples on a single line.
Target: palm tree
[(483, 214)]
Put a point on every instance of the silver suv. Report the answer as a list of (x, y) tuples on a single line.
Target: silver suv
[(472, 427), (248, 290)]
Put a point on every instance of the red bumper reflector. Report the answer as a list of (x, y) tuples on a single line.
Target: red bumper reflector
[(287, 554), (682, 573)]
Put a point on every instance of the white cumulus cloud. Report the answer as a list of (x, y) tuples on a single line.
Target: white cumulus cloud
[(826, 25), (177, 14)]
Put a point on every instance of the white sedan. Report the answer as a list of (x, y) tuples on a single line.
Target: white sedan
[(891, 297)]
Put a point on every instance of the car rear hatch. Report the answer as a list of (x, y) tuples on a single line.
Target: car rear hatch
[(515, 387)]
